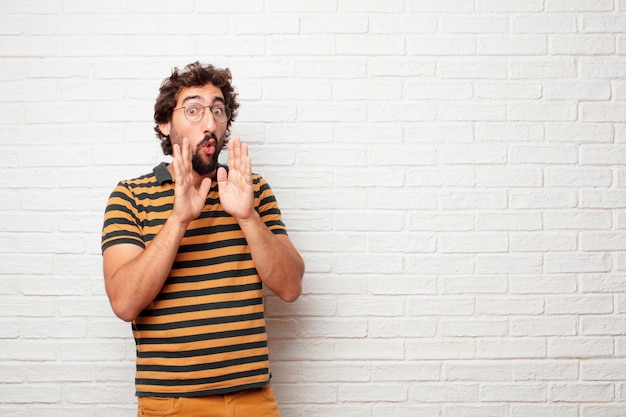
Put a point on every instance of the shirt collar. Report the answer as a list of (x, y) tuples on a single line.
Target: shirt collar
[(162, 174)]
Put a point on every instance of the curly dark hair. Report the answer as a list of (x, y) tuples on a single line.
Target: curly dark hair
[(193, 75)]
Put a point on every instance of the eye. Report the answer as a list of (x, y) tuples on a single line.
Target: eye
[(194, 110), (217, 111)]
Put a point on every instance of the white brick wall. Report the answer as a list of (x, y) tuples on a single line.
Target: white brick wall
[(453, 172)]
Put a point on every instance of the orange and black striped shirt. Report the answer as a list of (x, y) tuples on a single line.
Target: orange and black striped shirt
[(204, 334)]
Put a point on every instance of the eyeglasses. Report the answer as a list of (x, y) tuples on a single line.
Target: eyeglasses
[(195, 112)]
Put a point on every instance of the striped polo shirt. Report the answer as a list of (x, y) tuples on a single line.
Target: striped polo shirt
[(204, 334)]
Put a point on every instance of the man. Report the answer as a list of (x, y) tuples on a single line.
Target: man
[(186, 250)]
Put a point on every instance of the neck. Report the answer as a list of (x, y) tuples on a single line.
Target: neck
[(197, 178)]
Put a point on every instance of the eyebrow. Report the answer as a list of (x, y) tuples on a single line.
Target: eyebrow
[(216, 99)]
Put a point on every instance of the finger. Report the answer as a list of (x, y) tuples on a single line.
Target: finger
[(205, 186), (176, 162), (236, 147), (186, 154), (246, 164), (222, 175)]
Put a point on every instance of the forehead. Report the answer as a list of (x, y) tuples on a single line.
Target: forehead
[(207, 93)]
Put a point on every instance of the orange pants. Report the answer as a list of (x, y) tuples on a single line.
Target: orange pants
[(259, 402)]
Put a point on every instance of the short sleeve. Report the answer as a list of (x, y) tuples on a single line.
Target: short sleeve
[(121, 219), (267, 206)]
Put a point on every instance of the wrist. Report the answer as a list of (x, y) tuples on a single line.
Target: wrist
[(252, 219), (177, 223)]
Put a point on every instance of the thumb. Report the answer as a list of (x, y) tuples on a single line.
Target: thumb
[(205, 186), (222, 175)]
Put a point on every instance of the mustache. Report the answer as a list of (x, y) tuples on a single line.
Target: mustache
[(207, 138)]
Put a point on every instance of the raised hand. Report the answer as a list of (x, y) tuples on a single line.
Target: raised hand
[(189, 197), (235, 186)]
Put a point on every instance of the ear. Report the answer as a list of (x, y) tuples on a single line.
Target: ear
[(165, 128)]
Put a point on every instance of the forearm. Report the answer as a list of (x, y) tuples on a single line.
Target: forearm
[(133, 285), (277, 262)]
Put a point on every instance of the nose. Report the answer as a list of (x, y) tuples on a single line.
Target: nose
[(209, 122)]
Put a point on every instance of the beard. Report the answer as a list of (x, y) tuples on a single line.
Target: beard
[(198, 162)]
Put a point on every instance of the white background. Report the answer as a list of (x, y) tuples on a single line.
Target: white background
[(452, 171)]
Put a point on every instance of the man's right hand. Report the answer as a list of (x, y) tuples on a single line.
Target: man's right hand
[(190, 190)]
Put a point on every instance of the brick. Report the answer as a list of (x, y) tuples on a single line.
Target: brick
[(473, 243), (508, 263), (31, 394), (603, 370), (580, 220), (440, 349), (463, 200), (538, 410), (387, 392), (371, 45), (518, 45), (97, 394), (581, 392), (406, 371), (470, 24), (402, 23), (402, 285), (582, 45), (475, 410), (378, 328), (508, 221), (325, 24), (504, 306), (439, 264), (603, 410), (440, 177), (578, 177), (602, 241), (333, 328), (370, 349), (336, 372), (477, 370), (601, 68), (474, 328), (448, 45), (357, 306), (579, 6), (543, 198), (603, 325), (447, 6), (580, 133), (474, 68), (289, 46), (543, 23), (532, 242), (552, 326), (368, 221), (603, 199), (450, 393), (508, 177), (368, 263), (433, 306), (603, 23), (582, 305), (483, 284), (515, 348), (542, 370), (491, 90), (544, 68), (513, 393)]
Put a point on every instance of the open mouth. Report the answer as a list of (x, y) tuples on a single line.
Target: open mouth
[(208, 145)]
